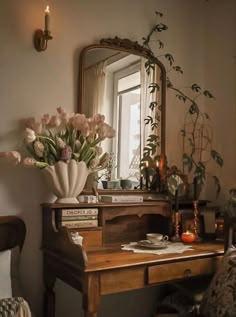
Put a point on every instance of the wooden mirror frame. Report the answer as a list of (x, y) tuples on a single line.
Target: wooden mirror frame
[(131, 47)]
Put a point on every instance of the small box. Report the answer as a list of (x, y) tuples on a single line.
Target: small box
[(91, 199)]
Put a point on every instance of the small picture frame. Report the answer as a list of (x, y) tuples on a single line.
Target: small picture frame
[(209, 221)]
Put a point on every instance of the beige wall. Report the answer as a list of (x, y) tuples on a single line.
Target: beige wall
[(202, 38)]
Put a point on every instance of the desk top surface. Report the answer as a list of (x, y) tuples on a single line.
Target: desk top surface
[(112, 257)]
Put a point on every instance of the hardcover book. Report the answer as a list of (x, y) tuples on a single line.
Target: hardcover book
[(80, 223), (121, 199), (78, 217), (78, 211)]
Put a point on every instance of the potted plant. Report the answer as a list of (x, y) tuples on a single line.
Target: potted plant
[(196, 133)]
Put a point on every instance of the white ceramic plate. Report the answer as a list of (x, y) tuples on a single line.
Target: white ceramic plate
[(150, 245)]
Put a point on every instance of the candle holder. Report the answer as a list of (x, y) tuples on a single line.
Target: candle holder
[(196, 226), (41, 39), (176, 237)]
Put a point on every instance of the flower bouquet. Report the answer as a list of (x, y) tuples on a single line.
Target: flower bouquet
[(67, 148)]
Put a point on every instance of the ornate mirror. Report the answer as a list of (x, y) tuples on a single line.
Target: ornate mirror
[(127, 83)]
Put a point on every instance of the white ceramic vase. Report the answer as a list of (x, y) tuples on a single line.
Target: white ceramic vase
[(66, 180)]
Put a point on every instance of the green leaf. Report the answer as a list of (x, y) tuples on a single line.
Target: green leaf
[(217, 185), (149, 65), (193, 108), (154, 125), (159, 14), (191, 142), (153, 105), (217, 158), (206, 115), (170, 58), (168, 83), (178, 69), (161, 44), (195, 88), (160, 27), (187, 161), (148, 120), (153, 138), (207, 93), (154, 87), (181, 97)]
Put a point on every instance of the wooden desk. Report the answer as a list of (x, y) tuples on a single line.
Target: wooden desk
[(100, 267)]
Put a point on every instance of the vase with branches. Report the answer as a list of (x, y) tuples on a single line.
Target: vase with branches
[(197, 136)]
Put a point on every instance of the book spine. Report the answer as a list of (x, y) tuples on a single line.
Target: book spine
[(122, 200), (79, 211), (79, 224), (76, 218)]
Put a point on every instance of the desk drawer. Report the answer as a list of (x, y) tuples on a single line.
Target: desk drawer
[(174, 271)]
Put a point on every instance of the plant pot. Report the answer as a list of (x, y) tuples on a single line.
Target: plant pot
[(66, 180), (126, 183)]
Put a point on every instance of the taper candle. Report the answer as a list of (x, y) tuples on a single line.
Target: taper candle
[(158, 177), (176, 200), (47, 19), (147, 175)]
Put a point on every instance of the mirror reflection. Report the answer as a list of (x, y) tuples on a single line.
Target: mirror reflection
[(115, 82)]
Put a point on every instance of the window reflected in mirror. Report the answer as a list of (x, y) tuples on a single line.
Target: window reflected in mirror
[(115, 82)]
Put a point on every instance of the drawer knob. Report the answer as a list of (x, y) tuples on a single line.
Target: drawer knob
[(187, 273)]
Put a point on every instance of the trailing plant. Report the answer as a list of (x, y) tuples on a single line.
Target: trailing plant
[(196, 132)]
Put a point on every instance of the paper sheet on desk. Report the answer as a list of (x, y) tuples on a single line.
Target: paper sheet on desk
[(175, 247)]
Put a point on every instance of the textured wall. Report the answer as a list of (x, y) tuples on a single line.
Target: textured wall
[(202, 38)]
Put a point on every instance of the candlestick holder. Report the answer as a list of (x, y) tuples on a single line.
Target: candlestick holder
[(196, 226), (176, 237), (147, 178), (41, 39)]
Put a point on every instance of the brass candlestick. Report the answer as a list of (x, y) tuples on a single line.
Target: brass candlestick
[(176, 237), (196, 227)]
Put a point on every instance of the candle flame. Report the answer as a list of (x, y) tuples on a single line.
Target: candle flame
[(157, 163), (146, 163), (47, 9)]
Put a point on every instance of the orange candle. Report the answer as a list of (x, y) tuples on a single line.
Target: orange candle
[(188, 237)]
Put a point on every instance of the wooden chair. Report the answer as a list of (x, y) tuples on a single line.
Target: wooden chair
[(12, 235)]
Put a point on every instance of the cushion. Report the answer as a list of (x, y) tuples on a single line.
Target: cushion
[(219, 300), (14, 306), (9, 273)]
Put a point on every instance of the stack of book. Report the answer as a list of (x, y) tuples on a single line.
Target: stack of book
[(78, 218), (122, 198)]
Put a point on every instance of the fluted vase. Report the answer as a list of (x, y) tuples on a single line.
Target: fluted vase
[(66, 180)]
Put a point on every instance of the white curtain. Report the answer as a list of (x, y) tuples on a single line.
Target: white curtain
[(146, 99), (94, 88)]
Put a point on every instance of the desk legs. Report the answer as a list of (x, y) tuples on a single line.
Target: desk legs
[(91, 295), (49, 295)]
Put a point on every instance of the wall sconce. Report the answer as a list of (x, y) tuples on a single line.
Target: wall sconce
[(41, 37)]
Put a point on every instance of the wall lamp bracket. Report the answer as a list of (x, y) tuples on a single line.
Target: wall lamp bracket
[(41, 39)]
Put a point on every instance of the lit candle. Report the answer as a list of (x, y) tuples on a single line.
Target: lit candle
[(47, 19), (147, 174), (158, 178), (188, 237)]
